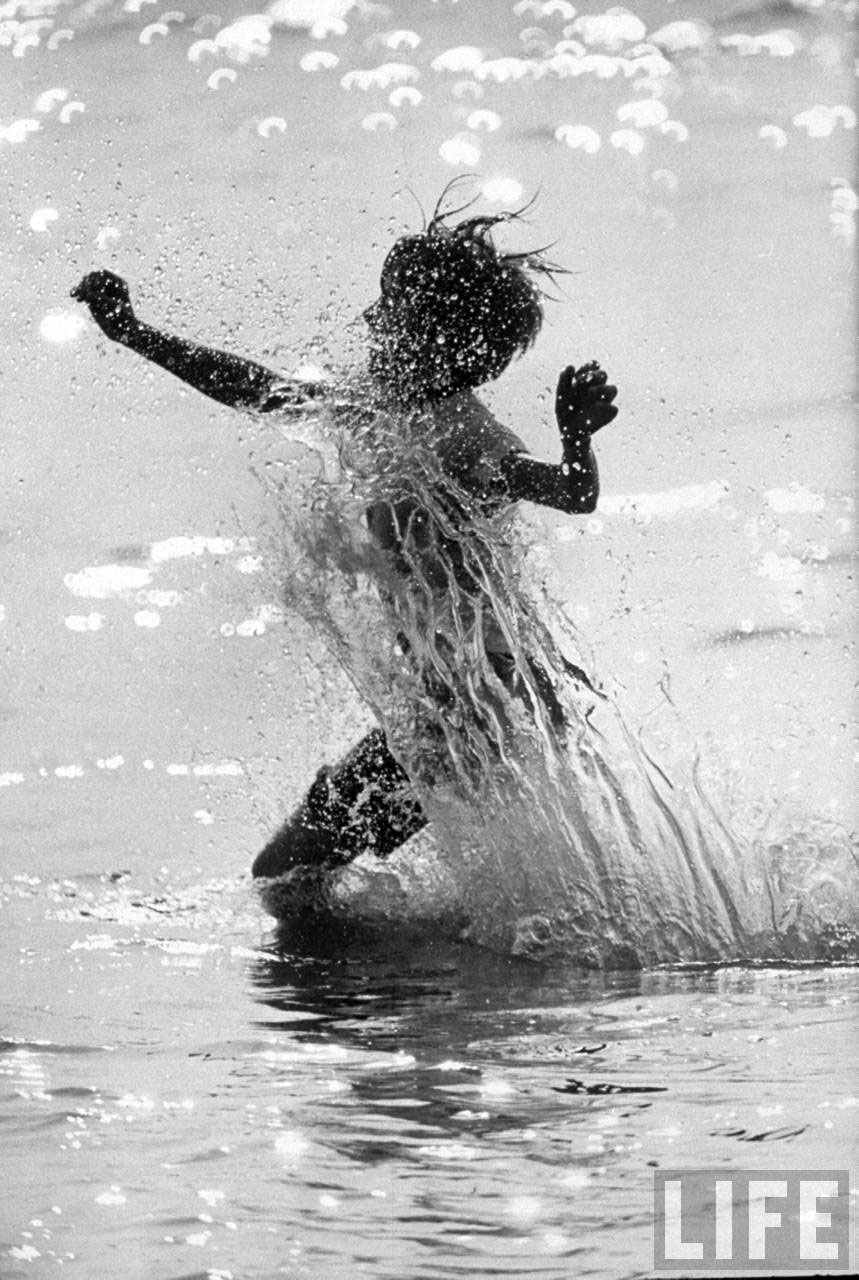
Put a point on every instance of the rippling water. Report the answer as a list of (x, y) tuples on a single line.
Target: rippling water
[(186, 1093), (195, 1106)]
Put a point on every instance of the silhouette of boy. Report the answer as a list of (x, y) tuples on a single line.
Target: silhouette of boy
[(452, 313)]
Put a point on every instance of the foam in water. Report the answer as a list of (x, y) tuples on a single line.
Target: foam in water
[(571, 841)]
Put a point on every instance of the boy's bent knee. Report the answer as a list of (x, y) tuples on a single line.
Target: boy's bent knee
[(295, 844), (363, 805)]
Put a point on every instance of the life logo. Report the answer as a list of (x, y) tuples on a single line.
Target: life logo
[(745, 1220)]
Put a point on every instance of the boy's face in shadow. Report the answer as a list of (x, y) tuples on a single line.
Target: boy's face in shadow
[(409, 348), (450, 315)]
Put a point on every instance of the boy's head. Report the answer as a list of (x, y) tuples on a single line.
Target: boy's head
[(453, 311)]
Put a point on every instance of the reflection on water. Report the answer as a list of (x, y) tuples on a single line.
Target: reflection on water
[(401, 1105)]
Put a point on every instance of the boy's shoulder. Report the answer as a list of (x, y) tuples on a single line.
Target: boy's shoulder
[(469, 434), (309, 389)]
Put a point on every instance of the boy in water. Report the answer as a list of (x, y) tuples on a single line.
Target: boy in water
[(452, 313)]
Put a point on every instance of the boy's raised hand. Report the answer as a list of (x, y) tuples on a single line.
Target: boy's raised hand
[(583, 402), (109, 301)]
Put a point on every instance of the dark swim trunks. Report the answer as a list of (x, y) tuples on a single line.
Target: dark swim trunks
[(366, 804)]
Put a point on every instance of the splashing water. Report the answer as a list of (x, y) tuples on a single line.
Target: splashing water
[(558, 831)]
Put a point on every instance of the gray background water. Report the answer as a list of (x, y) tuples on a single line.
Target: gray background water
[(162, 1063)]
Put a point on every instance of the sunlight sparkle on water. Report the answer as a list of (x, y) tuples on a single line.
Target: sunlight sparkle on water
[(58, 37), (98, 582), (217, 78), (524, 1210), (796, 498), (460, 150), (69, 110), (246, 38), (271, 124), (110, 762), (88, 622), (843, 208), (291, 1145), (251, 627), (159, 599), (154, 29), (62, 326), (210, 1197), (41, 219), (772, 133), (501, 70), (396, 39), (47, 100), (778, 44), (820, 121), (664, 177), (201, 48), (379, 120), (449, 1151), (683, 35), (179, 547), (579, 137), (405, 93), (643, 113), (644, 507), (675, 129), (465, 57), (545, 9), (319, 60), (612, 29), (113, 1196), (627, 140), (468, 89), (482, 119), (304, 14), (380, 77), (506, 191)]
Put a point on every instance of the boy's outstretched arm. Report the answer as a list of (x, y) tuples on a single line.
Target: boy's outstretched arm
[(232, 380), (583, 404)]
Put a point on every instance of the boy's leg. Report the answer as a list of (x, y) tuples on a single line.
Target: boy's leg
[(365, 803)]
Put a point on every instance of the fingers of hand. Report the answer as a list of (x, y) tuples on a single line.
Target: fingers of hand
[(584, 394), (566, 395), (598, 391), (99, 286), (600, 415), (591, 376), (566, 382)]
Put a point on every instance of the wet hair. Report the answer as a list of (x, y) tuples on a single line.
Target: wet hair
[(480, 306)]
